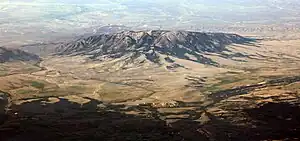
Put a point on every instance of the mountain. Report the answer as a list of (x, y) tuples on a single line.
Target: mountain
[(153, 45), (7, 55)]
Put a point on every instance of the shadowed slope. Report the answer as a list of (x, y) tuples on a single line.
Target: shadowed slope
[(7, 55)]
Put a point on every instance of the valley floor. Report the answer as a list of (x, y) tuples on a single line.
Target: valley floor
[(254, 94)]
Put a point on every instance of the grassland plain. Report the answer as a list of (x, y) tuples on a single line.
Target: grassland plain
[(227, 98)]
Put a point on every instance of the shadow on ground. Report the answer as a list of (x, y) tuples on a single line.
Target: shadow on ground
[(64, 121), (276, 121)]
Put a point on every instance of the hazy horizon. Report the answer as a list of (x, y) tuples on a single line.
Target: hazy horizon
[(65, 17)]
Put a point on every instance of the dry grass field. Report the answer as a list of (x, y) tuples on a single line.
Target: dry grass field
[(195, 101)]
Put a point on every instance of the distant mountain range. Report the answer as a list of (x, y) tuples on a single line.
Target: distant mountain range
[(7, 55)]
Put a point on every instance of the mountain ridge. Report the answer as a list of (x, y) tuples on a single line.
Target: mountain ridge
[(179, 44), (7, 55)]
